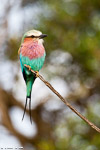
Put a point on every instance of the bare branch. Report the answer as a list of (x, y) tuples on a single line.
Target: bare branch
[(66, 103)]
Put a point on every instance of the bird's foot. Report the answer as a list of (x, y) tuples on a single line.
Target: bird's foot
[(37, 74), (29, 67)]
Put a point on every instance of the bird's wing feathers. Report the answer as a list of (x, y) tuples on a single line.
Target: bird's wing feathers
[(23, 70), (21, 63)]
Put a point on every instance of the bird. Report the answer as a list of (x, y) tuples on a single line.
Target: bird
[(31, 53)]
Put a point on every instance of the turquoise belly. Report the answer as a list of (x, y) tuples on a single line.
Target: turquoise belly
[(35, 64)]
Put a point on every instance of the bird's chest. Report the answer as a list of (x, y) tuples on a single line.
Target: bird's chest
[(32, 50)]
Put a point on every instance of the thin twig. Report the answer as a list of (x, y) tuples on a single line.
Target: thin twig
[(66, 103)]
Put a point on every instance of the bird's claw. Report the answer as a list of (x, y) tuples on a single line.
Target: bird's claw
[(29, 68), (37, 74)]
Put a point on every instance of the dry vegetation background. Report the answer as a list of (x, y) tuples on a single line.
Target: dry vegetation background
[(72, 66)]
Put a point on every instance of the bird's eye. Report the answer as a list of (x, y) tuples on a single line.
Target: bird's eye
[(32, 36)]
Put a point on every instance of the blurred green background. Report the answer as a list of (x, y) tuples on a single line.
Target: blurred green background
[(72, 66)]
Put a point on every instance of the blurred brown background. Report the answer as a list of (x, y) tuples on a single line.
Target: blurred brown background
[(72, 66)]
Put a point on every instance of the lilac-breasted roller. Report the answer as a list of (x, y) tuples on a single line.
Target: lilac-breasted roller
[(31, 53)]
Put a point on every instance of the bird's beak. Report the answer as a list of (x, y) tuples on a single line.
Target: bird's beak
[(42, 36)]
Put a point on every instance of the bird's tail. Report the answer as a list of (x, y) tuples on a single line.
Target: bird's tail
[(28, 97)]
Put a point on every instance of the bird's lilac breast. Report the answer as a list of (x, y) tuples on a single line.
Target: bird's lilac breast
[(32, 50)]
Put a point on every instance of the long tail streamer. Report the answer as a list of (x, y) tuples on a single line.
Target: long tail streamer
[(29, 109), (24, 109)]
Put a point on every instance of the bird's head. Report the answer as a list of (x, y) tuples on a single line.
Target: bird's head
[(34, 35)]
